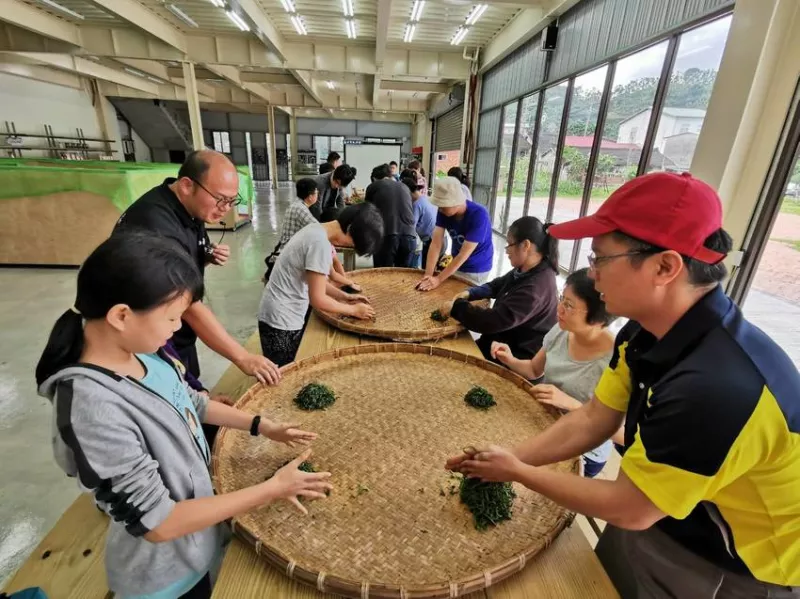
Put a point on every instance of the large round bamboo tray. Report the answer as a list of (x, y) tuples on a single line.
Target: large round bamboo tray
[(401, 312), (392, 527)]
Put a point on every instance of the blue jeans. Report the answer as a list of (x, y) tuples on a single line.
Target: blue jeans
[(591, 468)]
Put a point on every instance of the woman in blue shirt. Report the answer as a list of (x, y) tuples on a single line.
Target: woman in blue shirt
[(470, 228)]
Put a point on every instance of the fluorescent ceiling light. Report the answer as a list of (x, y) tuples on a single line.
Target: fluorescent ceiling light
[(351, 28), (288, 6), (218, 3), (330, 84), (64, 9), (134, 72), (409, 36), (181, 15), (416, 12), (238, 21), (459, 36), (347, 8), (299, 26), (476, 13), (154, 80)]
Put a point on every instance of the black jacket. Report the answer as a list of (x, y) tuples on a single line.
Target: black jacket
[(160, 211), (524, 310)]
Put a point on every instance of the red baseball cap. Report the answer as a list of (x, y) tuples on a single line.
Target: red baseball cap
[(671, 211)]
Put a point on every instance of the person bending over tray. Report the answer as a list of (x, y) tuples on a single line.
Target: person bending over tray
[(424, 215), (526, 297), (575, 353), (297, 216), (470, 229), (393, 199), (300, 278), (126, 422)]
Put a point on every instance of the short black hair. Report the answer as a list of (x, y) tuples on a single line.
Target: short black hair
[(333, 157), (459, 174), (392, 163), (583, 286), (411, 183), (701, 274), (382, 171), (344, 174), (408, 173), (364, 223), (305, 187)]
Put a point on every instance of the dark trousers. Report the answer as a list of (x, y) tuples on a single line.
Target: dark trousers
[(202, 590), (426, 245), (278, 345), (397, 250), (188, 355)]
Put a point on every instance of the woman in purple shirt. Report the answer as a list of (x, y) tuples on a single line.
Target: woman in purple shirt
[(470, 228)]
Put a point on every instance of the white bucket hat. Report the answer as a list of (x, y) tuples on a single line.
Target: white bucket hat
[(447, 193)]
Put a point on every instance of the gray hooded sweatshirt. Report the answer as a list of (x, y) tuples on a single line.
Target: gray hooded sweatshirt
[(137, 455)]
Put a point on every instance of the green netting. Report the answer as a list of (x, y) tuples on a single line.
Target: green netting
[(121, 182)]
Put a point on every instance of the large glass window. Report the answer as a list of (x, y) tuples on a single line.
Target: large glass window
[(581, 124), (500, 220), (552, 112), (773, 303), (222, 141), (690, 84), (629, 110), (322, 144), (522, 159)]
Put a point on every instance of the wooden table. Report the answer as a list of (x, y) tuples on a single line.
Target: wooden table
[(348, 257), (68, 563)]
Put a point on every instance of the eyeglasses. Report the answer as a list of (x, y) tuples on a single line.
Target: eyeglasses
[(596, 261), (511, 245), (222, 201), (569, 306)]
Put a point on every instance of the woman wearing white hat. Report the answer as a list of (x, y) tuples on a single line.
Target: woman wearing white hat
[(470, 228)]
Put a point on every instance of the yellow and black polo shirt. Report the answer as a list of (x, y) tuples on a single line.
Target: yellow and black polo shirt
[(712, 436)]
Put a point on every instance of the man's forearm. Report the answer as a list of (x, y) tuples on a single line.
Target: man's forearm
[(212, 333), (594, 498), (572, 435), (456, 263)]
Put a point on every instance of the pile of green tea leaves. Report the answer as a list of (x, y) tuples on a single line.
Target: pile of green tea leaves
[(315, 397), (438, 316), (490, 503), (480, 398)]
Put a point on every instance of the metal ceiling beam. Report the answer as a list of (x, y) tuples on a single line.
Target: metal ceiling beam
[(264, 30), (137, 15), (22, 15), (308, 85), (381, 35), (81, 66), (40, 73), (410, 86)]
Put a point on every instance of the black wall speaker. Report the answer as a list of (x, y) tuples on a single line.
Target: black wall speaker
[(549, 38)]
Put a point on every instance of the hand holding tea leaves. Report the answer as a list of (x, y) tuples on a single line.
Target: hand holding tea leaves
[(290, 434), (492, 464), (291, 483)]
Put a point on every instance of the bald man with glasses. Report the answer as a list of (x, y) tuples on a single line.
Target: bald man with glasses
[(207, 187)]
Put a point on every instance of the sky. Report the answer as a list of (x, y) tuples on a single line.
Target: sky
[(700, 48)]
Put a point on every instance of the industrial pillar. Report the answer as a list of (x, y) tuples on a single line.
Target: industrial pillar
[(193, 105), (273, 154)]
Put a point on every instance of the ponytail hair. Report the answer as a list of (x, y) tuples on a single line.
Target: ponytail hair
[(459, 174), (531, 228), (140, 270)]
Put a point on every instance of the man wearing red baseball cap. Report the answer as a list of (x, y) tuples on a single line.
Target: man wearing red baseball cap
[(708, 495)]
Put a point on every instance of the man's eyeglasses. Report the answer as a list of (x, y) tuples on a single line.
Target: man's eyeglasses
[(222, 201), (596, 261), (568, 305)]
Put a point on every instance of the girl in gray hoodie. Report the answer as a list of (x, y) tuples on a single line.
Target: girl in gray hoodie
[(127, 426)]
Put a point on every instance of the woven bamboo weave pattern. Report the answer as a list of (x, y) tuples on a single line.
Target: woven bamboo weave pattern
[(401, 312), (391, 523)]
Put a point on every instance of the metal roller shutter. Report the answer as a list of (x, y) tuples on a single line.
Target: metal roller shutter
[(448, 130)]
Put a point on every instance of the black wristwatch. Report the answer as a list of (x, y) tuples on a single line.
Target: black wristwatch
[(254, 426)]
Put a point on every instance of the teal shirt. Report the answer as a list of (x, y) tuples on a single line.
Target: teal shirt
[(163, 380)]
